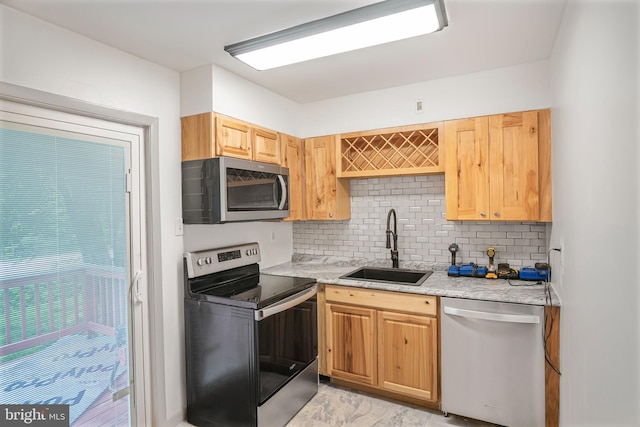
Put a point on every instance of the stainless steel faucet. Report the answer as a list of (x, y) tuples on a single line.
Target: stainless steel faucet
[(394, 251)]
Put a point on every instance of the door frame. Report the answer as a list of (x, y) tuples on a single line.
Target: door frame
[(58, 105)]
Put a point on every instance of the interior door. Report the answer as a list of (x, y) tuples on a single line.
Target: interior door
[(72, 261)]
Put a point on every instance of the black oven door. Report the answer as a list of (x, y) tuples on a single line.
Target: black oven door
[(288, 340)]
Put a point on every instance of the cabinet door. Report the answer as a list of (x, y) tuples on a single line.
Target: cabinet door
[(408, 354), (326, 197), (233, 138), (294, 160), (198, 134), (266, 146), (513, 160), (351, 343), (467, 169)]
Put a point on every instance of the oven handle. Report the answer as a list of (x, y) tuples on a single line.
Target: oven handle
[(286, 303)]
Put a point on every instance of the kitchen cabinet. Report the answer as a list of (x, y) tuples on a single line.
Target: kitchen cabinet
[(210, 135), (327, 197), (498, 167), (407, 354), (293, 158), (405, 150), (351, 337), (387, 341), (266, 146)]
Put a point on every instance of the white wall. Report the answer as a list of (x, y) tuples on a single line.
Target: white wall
[(594, 88), (517, 88), (211, 88), (40, 56), (275, 238)]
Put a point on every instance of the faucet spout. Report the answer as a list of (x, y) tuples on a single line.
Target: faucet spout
[(394, 234)]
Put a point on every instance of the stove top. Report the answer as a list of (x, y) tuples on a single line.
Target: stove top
[(256, 291), (231, 276)]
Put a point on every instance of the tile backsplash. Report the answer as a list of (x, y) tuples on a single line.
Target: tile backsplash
[(424, 235)]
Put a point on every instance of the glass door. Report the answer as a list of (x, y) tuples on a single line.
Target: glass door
[(70, 264)]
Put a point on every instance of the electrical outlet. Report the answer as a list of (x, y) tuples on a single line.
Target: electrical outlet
[(419, 106), (179, 227)]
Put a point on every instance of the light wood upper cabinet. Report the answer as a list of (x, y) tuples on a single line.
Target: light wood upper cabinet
[(210, 135), (513, 166), (266, 145), (293, 158), (327, 197), (385, 340), (498, 167), (198, 136), (233, 138), (466, 168)]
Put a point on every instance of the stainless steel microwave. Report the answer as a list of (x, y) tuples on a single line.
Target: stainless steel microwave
[(225, 189)]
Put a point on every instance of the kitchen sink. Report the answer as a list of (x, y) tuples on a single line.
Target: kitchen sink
[(398, 276)]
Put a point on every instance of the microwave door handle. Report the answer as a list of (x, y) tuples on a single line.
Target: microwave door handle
[(283, 187)]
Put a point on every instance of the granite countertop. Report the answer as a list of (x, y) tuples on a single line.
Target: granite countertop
[(328, 270)]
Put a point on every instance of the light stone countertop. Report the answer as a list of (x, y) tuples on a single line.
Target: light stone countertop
[(328, 270)]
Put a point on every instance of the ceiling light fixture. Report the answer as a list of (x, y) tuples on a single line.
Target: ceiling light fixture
[(367, 26)]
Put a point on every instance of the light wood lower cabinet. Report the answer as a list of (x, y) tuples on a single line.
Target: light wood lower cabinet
[(387, 341), (351, 339), (408, 354)]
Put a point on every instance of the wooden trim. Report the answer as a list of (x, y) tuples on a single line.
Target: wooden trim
[(552, 379), (322, 337), (424, 305), (392, 129), (544, 165)]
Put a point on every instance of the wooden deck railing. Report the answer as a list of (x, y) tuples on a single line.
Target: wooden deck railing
[(45, 307)]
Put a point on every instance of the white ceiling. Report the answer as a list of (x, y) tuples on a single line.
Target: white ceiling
[(185, 34)]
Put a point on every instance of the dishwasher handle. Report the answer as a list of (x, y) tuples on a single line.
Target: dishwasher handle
[(497, 317)]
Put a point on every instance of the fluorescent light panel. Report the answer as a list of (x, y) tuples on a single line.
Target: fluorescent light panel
[(367, 26)]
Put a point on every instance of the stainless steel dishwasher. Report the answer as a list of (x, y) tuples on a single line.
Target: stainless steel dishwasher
[(493, 361)]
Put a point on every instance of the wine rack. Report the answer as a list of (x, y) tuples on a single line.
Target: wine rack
[(407, 150)]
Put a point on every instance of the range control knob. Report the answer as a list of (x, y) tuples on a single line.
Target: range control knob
[(208, 260), (200, 262)]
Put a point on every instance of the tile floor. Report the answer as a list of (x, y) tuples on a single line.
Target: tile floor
[(337, 406)]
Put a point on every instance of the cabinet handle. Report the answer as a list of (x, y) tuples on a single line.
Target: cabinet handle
[(330, 214), (497, 214), (483, 214)]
